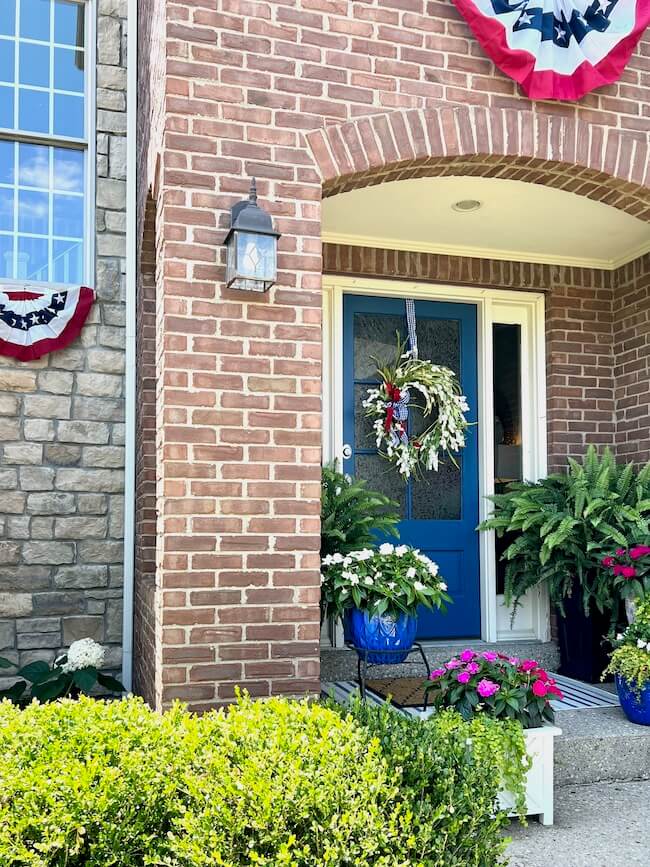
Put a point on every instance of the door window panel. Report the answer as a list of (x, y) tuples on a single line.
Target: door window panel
[(506, 353), (437, 495)]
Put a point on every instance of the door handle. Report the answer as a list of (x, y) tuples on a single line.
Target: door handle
[(347, 451)]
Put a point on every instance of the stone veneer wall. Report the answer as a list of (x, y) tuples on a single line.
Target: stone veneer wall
[(62, 431)]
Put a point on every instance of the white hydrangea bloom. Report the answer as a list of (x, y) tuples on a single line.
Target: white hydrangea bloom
[(83, 654)]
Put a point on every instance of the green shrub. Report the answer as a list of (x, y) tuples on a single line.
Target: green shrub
[(112, 784), (449, 774)]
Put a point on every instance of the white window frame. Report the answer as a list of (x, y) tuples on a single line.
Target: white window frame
[(493, 306), (87, 145)]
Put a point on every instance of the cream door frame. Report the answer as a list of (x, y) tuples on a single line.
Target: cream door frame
[(493, 306)]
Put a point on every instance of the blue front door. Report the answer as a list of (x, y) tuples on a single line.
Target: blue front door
[(440, 511)]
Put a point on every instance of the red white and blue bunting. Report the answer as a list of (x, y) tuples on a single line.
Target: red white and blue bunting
[(34, 322), (558, 49)]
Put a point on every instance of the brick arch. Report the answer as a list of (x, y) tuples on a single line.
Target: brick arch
[(598, 162)]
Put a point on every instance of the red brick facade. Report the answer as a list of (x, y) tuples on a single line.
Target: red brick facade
[(313, 101)]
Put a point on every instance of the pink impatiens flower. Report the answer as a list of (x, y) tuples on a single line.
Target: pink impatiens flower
[(453, 663), (467, 655), (528, 665), (473, 668), (463, 677), (625, 571), (487, 688), (436, 673), (639, 551), (540, 689), (490, 655), (608, 561)]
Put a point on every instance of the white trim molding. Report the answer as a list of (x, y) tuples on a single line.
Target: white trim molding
[(504, 255), (493, 306)]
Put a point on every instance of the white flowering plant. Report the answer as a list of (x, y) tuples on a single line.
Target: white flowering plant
[(70, 674), (390, 580), (433, 389)]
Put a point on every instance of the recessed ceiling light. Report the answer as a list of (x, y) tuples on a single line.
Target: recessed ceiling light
[(466, 206)]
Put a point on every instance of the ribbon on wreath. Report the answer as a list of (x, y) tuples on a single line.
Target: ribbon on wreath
[(397, 413)]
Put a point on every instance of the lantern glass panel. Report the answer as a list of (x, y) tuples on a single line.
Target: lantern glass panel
[(256, 256)]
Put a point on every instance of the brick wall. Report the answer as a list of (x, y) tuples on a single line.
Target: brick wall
[(145, 631), (323, 97), (632, 360), (62, 431)]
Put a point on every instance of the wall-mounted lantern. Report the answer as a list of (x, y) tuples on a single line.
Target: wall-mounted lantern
[(252, 245)]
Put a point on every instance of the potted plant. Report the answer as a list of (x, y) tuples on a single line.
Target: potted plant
[(352, 518), (630, 665), (505, 687), (382, 590), (562, 526)]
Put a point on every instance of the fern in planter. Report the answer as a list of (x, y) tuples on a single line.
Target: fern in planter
[(353, 517), (564, 524)]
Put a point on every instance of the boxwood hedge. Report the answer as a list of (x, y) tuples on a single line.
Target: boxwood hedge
[(114, 784)]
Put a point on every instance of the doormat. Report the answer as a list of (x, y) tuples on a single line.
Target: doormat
[(402, 691)]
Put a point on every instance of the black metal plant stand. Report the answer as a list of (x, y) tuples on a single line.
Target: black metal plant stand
[(363, 664)]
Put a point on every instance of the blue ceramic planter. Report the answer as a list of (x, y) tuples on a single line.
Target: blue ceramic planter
[(636, 706), (385, 638)]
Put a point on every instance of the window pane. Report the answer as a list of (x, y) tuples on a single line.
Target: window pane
[(69, 216), (33, 212), (50, 224), (6, 210), (437, 495), (6, 162), (6, 256), (68, 73), (34, 166), (68, 262), (68, 116), (382, 476), (33, 110), (69, 23), (35, 19), (32, 259), (7, 68), (68, 170), (374, 336), (7, 107), (8, 17), (34, 65)]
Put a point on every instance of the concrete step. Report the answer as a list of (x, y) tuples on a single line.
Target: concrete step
[(600, 744)]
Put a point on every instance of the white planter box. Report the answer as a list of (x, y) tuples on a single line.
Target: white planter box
[(539, 782)]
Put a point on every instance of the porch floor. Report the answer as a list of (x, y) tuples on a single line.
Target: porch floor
[(576, 695)]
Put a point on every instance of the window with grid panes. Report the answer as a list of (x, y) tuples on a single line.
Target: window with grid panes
[(43, 140)]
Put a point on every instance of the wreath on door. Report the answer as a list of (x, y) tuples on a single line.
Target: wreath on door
[(435, 390)]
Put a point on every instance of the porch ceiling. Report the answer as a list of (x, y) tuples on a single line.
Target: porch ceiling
[(516, 222)]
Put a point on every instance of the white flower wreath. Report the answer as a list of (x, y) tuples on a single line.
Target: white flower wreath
[(387, 406)]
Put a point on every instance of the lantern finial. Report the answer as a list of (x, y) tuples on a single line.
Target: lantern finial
[(252, 195)]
